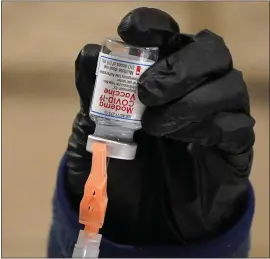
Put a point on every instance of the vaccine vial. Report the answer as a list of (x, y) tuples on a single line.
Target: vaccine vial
[(115, 108)]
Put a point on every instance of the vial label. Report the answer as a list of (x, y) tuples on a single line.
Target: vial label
[(116, 91)]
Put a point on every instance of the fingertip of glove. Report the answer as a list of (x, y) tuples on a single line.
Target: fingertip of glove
[(89, 53), (85, 68), (149, 97), (87, 60), (147, 27)]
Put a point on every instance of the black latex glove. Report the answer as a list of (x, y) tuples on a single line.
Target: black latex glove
[(189, 178)]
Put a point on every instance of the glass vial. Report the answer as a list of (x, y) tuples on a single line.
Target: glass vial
[(115, 108)]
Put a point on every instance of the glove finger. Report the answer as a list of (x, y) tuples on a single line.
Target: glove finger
[(150, 27), (79, 159), (181, 72), (228, 93), (85, 69), (233, 132)]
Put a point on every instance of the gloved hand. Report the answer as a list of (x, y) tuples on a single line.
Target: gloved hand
[(195, 149)]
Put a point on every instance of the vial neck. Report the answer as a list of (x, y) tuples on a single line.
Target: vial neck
[(113, 132)]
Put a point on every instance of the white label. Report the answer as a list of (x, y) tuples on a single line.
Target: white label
[(116, 91)]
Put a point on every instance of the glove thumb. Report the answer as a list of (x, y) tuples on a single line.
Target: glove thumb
[(85, 69)]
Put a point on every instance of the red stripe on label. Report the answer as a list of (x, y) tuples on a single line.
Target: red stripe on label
[(138, 70)]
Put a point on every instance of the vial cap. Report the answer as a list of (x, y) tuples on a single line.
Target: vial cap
[(115, 149)]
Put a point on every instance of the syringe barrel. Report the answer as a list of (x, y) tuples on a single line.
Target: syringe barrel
[(87, 245)]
